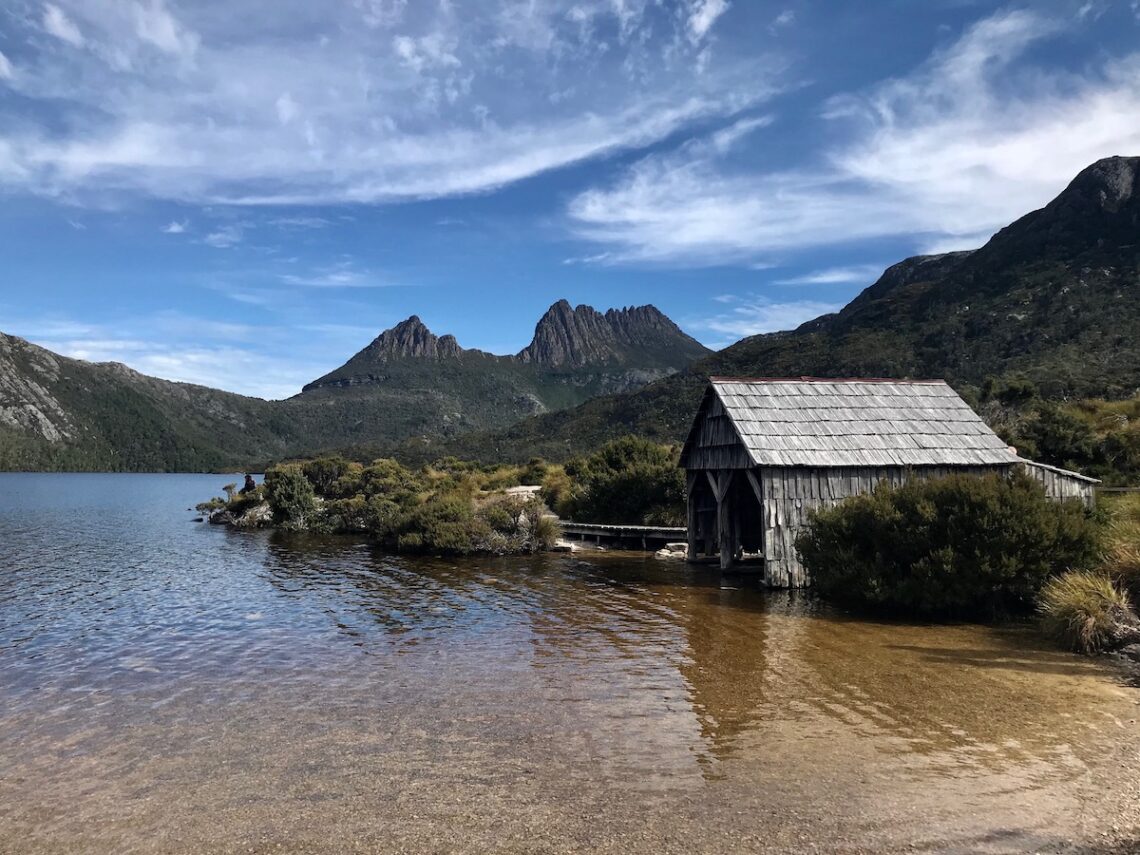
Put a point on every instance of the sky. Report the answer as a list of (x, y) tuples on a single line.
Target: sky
[(244, 193)]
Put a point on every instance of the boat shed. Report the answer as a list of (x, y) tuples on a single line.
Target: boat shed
[(763, 453)]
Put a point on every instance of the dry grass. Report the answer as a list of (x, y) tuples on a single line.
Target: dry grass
[(1087, 612), (1122, 549)]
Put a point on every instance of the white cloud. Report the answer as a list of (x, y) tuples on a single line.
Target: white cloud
[(264, 361), (755, 315), (225, 236), (864, 273), (296, 103), (56, 22), (342, 275), (784, 19), (156, 26), (300, 222), (6, 72), (973, 139), (287, 109), (175, 227), (704, 14)]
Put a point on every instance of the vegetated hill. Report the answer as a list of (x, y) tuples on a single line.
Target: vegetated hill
[(60, 413), (65, 414), (1053, 299)]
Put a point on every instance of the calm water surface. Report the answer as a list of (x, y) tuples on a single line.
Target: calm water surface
[(173, 686)]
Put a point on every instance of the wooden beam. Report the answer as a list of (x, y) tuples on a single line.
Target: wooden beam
[(692, 519), (725, 534), (714, 484), (755, 482)]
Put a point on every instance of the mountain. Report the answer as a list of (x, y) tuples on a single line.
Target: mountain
[(59, 413), (1053, 298), (407, 385), (412, 384)]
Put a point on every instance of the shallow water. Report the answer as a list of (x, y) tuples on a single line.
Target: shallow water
[(172, 686)]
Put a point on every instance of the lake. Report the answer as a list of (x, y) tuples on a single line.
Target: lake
[(170, 686)]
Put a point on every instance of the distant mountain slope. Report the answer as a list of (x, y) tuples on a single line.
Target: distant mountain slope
[(60, 413), (410, 383), (1053, 298)]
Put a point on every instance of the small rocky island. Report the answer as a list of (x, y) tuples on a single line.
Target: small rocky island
[(451, 508)]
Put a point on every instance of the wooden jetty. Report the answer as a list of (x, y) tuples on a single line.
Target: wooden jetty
[(623, 536)]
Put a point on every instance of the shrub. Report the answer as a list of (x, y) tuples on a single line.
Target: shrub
[(534, 473), (242, 502), (628, 481), (215, 504), (960, 546), (557, 489), (290, 496), (1087, 612), (324, 472)]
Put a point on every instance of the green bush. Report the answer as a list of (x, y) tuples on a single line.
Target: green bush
[(324, 472), (629, 481), (290, 497), (1086, 612), (960, 546)]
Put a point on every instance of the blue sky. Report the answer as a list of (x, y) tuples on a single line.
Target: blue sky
[(244, 193)]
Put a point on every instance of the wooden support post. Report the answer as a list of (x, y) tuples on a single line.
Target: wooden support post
[(761, 522), (725, 534), (692, 518)]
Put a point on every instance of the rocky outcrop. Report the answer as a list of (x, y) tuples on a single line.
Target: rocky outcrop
[(582, 336), (412, 339), (26, 404)]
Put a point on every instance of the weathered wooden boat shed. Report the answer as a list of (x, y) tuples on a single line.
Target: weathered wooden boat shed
[(762, 453)]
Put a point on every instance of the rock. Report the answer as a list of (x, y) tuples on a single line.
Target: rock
[(198, 519), (1132, 651), (673, 551), (584, 336)]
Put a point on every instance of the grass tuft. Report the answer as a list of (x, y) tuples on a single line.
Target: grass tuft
[(1087, 612)]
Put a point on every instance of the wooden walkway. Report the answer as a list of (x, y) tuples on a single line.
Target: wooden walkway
[(624, 536)]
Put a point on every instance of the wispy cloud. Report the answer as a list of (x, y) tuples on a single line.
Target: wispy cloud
[(260, 360), (56, 23), (703, 16), (6, 71), (752, 315), (300, 222), (175, 227), (367, 101), (864, 273), (225, 236), (785, 19), (972, 139), (341, 275)]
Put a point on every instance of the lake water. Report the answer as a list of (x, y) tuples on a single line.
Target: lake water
[(167, 685)]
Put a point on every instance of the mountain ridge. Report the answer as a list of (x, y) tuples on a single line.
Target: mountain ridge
[(407, 384)]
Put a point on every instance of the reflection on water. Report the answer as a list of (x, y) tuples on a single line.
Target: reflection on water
[(154, 671)]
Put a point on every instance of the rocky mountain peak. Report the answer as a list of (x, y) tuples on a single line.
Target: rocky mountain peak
[(1108, 183), (1098, 212), (566, 336), (412, 339)]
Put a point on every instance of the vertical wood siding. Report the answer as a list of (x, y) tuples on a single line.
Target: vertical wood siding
[(1061, 485), (716, 444)]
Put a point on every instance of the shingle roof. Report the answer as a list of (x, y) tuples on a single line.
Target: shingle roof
[(811, 422)]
